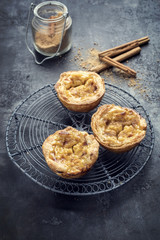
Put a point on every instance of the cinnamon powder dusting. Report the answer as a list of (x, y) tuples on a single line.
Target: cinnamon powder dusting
[(48, 38), (88, 59)]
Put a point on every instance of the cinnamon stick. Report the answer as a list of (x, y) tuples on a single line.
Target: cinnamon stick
[(114, 63), (118, 50), (124, 47), (52, 26), (102, 66)]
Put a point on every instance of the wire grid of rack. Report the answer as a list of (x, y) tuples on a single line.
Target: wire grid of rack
[(41, 114)]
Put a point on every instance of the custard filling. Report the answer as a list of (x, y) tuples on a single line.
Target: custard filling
[(80, 86), (72, 150), (118, 126)]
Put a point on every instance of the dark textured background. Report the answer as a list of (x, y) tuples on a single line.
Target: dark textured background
[(28, 211)]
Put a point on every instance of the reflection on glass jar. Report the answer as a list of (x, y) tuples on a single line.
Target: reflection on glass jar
[(51, 28)]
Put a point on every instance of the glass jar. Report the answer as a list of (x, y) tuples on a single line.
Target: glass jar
[(51, 28)]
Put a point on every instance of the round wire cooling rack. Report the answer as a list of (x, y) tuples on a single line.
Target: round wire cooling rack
[(41, 114)]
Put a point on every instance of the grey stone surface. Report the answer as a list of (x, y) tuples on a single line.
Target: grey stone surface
[(28, 211)]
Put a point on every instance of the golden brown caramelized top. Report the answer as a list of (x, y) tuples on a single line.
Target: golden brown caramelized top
[(80, 86), (117, 126), (71, 151)]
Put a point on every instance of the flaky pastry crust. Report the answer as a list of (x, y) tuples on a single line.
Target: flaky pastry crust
[(118, 129), (70, 153), (80, 91)]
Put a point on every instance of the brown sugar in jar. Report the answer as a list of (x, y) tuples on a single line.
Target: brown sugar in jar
[(51, 28)]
